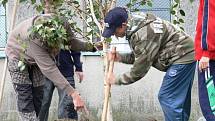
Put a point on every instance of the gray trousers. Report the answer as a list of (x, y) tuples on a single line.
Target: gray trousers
[(28, 85)]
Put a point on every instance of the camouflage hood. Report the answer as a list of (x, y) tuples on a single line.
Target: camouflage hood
[(137, 21)]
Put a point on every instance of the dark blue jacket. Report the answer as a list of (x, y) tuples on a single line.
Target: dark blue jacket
[(66, 60)]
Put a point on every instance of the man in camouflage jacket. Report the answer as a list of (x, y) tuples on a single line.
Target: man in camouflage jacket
[(158, 43)]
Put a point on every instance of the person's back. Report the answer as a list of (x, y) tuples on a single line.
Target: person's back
[(155, 42), (66, 60), (18, 36), (165, 43)]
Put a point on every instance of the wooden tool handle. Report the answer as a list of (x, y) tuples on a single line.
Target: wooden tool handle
[(108, 86)]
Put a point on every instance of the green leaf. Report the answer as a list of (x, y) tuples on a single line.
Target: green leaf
[(89, 33), (39, 8), (88, 38), (75, 2), (182, 12), (22, 1), (177, 1), (191, 1), (33, 1), (78, 29), (176, 5), (20, 63), (181, 20), (129, 5), (142, 3), (108, 39), (4, 2), (52, 29), (39, 26), (134, 1), (175, 22), (22, 68), (173, 12), (136, 9), (149, 4), (181, 28)]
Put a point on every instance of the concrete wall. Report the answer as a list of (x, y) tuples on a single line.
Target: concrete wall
[(129, 103)]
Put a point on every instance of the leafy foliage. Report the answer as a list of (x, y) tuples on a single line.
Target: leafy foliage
[(3, 2), (72, 10), (178, 13), (51, 32), (135, 5)]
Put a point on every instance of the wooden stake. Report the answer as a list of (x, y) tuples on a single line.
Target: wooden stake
[(12, 24), (109, 111), (107, 88)]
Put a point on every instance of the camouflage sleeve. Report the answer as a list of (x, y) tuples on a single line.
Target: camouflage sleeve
[(127, 58), (144, 56)]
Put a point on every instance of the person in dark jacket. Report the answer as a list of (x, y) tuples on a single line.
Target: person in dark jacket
[(66, 60)]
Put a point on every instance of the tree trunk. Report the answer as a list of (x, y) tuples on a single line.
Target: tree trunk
[(47, 6)]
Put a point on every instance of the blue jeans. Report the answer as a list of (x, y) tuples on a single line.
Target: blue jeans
[(203, 94), (175, 92), (65, 107)]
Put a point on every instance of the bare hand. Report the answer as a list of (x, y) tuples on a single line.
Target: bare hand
[(114, 56), (80, 76), (203, 63), (77, 101), (111, 79)]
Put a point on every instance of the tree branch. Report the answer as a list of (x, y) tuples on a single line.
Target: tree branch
[(80, 14), (94, 17), (47, 6), (101, 7), (113, 4)]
